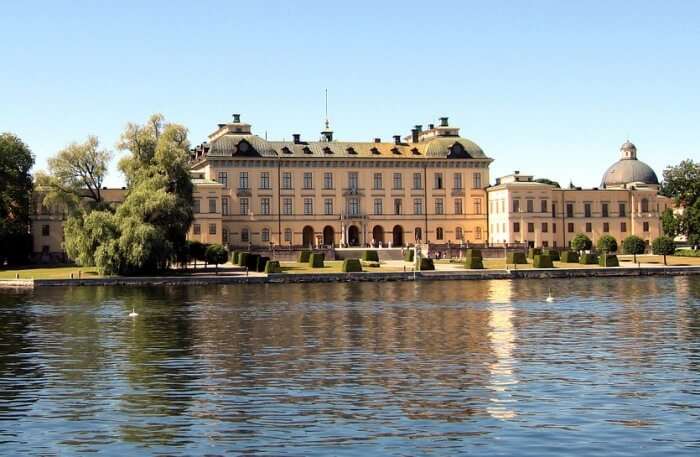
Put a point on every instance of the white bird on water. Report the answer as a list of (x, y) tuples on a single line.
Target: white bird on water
[(133, 313), (549, 298)]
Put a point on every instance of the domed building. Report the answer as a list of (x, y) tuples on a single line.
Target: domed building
[(629, 171)]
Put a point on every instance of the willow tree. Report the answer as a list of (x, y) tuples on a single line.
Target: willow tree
[(16, 161)]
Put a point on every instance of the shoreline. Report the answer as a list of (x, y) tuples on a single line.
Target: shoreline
[(285, 278)]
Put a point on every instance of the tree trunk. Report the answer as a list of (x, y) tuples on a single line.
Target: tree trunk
[(665, 260)]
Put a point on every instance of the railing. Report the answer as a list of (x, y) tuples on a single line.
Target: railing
[(243, 192)]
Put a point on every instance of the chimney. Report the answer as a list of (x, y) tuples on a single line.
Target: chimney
[(443, 122), (397, 139), (431, 126), (516, 172), (297, 138), (414, 135), (419, 128), (236, 118), (377, 140)]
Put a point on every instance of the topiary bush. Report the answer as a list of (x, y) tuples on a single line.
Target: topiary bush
[(607, 243), (552, 253), (633, 245), (542, 261), (473, 253), (316, 260), (516, 258), (475, 263), (370, 256), (588, 259), (272, 266), (304, 256), (242, 259), (581, 243), (252, 262), (608, 261), (532, 252), (352, 266), (233, 257), (663, 245), (262, 261), (408, 255), (569, 257), (426, 264)]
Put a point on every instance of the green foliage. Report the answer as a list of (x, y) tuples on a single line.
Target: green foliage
[(474, 263), (581, 243), (664, 246), (607, 243), (426, 264), (670, 224), (370, 256), (216, 254), (408, 255), (352, 266), (682, 182), (304, 256), (687, 253), (316, 260), (233, 258), (262, 261), (633, 245), (251, 262), (243, 259), (272, 266), (474, 253), (588, 259), (15, 243), (569, 256), (516, 257), (16, 161), (532, 252), (548, 181), (552, 253), (197, 250), (542, 261), (608, 261)]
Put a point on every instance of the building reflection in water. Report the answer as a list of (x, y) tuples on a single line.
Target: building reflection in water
[(502, 337)]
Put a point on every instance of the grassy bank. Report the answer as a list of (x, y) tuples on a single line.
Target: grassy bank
[(49, 273)]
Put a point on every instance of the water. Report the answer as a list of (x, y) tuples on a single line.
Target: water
[(436, 368)]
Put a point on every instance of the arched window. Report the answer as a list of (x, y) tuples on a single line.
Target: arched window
[(288, 235), (418, 234), (438, 233), (245, 235), (645, 205), (458, 233), (477, 233), (265, 235)]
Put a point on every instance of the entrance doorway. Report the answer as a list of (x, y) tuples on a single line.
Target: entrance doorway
[(353, 236), (308, 237), (378, 235), (398, 236), (328, 236)]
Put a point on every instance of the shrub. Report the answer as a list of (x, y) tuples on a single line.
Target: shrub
[(633, 245), (588, 259), (197, 251), (304, 256), (532, 252), (252, 262), (316, 260), (542, 261), (272, 266), (408, 255), (581, 243), (516, 258), (216, 254), (352, 266), (608, 261), (569, 257), (552, 253), (687, 253), (607, 243), (663, 245), (234, 257), (475, 263), (473, 253), (262, 261), (370, 256), (426, 264), (243, 259)]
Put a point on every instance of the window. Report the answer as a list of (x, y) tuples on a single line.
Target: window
[(545, 227), (377, 181), (225, 201), (622, 210), (569, 210), (459, 234), (554, 228), (245, 235), (287, 180), (589, 227), (516, 206), (397, 206), (224, 235), (327, 180), (545, 244), (308, 206), (354, 206), (265, 206), (265, 235), (377, 206), (308, 180), (516, 227), (476, 180), (570, 227), (645, 227), (45, 230), (244, 206), (477, 233), (212, 205), (417, 206), (196, 207), (458, 181), (287, 206), (265, 180), (554, 209), (530, 227), (438, 181), (606, 227), (328, 206), (604, 210), (623, 226), (418, 234), (530, 205), (223, 179), (397, 181), (438, 206), (352, 180), (196, 229), (477, 206), (439, 234), (645, 205), (212, 229), (288, 235), (543, 206), (458, 206), (587, 210), (243, 180), (417, 181)]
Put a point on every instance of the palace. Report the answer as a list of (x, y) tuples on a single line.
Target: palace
[(431, 186)]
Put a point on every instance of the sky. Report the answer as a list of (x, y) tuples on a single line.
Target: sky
[(550, 88)]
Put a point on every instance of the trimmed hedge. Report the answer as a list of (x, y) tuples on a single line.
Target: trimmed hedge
[(242, 259), (370, 256), (352, 266), (475, 263), (273, 266), (426, 264), (588, 259), (233, 257), (569, 257), (516, 257), (552, 253), (262, 261), (542, 261), (408, 255), (316, 260), (611, 261), (252, 262), (304, 256), (687, 253), (473, 253), (532, 252)]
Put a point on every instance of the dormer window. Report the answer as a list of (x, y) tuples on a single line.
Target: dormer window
[(375, 151), (396, 151), (415, 151), (351, 151), (307, 150), (286, 150), (327, 150)]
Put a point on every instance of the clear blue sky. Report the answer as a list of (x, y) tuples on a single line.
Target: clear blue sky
[(551, 88)]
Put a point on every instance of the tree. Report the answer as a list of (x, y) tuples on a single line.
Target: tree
[(197, 251), (548, 181), (607, 243), (664, 246), (633, 245), (76, 174), (216, 254), (16, 161), (670, 224), (581, 243), (682, 182)]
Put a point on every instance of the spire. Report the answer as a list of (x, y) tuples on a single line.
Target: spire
[(327, 133)]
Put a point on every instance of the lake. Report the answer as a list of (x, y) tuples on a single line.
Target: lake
[(612, 367)]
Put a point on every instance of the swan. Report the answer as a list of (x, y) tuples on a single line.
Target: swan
[(133, 313), (549, 298)]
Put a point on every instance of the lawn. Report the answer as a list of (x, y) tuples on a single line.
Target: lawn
[(334, 266), (626, 260), (49, 273)]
